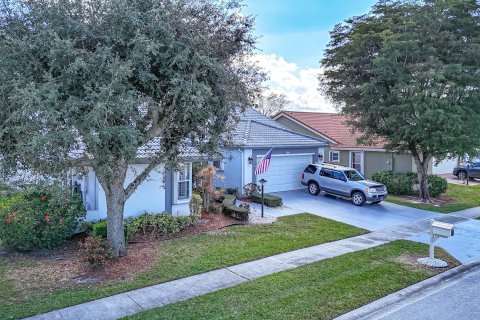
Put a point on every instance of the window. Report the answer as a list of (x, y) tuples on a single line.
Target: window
[(183, 183), (218, 164), (354, 175), (334, 156), (326, 173), (310, 169), (338, 175)]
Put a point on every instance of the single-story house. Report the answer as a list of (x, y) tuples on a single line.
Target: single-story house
[(344, 148), (164, 189), (254, 135)]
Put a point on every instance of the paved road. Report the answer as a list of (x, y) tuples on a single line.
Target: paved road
[(370, 216), (453, 299)]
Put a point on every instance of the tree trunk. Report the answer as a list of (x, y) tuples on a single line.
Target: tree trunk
[(422, 176), (115, 229), (115, 198)]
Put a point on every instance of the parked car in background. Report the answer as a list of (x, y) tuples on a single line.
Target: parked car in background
[(468, 169), (342, 181)]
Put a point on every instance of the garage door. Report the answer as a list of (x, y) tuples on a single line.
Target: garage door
[(284, 172)]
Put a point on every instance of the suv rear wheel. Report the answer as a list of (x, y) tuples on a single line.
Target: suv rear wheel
[(462, 175), (313, 188), (358, 198)]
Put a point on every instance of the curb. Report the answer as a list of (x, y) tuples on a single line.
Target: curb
[(374, 308)]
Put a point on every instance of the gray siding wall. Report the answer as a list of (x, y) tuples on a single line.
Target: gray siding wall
[(259, 152), (344, 160)]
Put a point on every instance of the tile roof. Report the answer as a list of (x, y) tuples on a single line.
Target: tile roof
[(334, 127), (256, 130)]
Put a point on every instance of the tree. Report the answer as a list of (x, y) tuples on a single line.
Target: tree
[(408, 72), (272, 103), (87, 83)]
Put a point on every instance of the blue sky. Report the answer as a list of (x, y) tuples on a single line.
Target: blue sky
[(292, 37), (298, 30)]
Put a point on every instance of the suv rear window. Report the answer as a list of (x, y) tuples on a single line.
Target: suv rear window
[(310, 169)]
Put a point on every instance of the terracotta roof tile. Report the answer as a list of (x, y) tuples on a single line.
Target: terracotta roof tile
[(334, 127)]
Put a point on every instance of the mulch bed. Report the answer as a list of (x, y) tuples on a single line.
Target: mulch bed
[(48, 270), (438, 202)]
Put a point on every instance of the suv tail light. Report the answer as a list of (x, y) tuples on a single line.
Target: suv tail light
[(303, 175)]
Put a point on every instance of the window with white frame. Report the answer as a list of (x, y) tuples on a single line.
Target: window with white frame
[(334, 156), (183, 183)]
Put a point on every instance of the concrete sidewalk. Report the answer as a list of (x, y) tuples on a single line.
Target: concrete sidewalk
[(135, 301)]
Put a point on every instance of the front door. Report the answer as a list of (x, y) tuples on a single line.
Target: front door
[(356, 161)]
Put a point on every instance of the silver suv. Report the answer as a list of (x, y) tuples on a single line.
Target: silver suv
[(342, 181)]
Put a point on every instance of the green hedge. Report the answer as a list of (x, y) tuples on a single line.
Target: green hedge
[(402, 183), (269, 200)]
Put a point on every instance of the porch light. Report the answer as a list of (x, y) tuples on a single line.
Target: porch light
[(320, 157), (250, 160)]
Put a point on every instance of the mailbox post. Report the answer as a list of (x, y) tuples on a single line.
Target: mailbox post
[(437, 230)]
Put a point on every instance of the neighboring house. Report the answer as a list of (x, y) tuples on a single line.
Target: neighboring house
[(344, 149), (254, 135), (165, 189)]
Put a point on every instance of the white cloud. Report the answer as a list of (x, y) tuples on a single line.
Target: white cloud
[(300, 85)]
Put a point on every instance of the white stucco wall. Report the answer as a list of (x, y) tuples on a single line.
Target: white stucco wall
[(149, 196)]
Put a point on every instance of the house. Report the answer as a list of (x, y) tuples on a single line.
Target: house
[(165, 189), (254, 135), (345, 149)]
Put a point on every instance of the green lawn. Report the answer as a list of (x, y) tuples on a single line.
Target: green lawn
[(321, 290), (185, 257), (465, 197)]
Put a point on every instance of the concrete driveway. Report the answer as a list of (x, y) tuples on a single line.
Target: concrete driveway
[(370, 216)]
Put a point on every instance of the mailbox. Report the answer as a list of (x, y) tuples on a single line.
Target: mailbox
[(442, 229)]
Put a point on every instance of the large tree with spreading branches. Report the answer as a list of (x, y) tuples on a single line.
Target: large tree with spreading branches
[(409, 72), (86, 83)]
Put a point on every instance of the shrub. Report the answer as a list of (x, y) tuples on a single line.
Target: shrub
[(229, 200), (251, 188), (437, 185), (403, 183), (99, 229), (39, 217), (205, 178), (96, 251), (269, 200), (195, 207), (153, 225)]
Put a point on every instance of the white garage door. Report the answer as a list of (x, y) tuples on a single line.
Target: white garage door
[(445, 166), (284, 172)]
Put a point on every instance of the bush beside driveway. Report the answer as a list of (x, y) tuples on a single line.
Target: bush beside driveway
[(457, 197)]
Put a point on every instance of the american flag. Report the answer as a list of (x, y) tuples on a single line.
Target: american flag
[(264, 164)]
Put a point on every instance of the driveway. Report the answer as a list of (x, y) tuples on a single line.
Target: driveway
[(370, 216)]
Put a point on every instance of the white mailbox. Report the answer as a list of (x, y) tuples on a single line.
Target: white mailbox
[(442, 229)]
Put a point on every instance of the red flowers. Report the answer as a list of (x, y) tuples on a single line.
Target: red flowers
[(44, 197), (14, 214), (61, 219), (8, 220), (47, 218)]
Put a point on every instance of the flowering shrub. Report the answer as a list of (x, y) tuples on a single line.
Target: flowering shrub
[(96, 251), (39, 217)]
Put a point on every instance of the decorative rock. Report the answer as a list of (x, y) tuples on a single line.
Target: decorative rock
[(436, 263)]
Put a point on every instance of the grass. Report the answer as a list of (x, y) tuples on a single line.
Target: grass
[(322, 290), (465, 197), (185, 257)]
